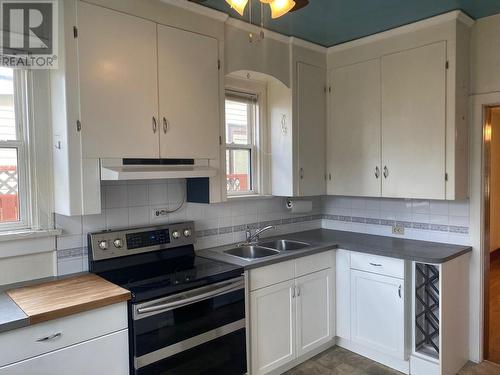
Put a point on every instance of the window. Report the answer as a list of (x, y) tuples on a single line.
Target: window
[(242, 130), (13, 160)]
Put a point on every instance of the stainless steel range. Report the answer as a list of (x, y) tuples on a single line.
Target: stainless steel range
[(187, 313)]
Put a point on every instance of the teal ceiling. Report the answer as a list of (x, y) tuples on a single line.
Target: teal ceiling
[(331, 22)]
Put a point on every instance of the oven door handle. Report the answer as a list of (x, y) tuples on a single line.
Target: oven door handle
[(196, 298)]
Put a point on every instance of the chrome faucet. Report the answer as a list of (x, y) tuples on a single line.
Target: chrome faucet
[(253, 238)]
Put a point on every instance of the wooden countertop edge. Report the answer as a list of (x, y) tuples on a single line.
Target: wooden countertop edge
[(75, 309)]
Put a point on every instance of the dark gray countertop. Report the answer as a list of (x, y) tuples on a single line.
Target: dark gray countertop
[(11, 315), (325, 239)]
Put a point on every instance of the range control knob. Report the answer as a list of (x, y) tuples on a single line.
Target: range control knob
[(187, 232), (118, 243), (176, 234), (103, 245)]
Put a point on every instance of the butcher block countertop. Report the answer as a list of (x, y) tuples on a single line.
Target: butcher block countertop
[(72, 295)]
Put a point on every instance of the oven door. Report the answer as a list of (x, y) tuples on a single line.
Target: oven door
[(201, 331)]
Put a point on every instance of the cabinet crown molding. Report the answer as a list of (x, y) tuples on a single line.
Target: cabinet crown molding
[(450, 16)]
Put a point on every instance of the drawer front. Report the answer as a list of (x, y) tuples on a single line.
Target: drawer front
[(29, 341), (314, 263), (105, 355), (272, 274), (378, 264)]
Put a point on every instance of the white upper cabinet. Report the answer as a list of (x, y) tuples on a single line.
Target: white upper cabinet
[(118, 83), (188, 78), (414, 123), (398, 112), (354, 131), (311, 117)]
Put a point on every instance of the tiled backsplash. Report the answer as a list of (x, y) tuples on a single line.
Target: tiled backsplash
[(127, 204), (428, 220)]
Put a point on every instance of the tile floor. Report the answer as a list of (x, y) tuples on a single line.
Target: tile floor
[(338, 361)]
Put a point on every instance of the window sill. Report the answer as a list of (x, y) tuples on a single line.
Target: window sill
[(19, 234), (249, 197)]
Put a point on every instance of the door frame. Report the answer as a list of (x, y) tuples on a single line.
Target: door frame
[(479, 208)]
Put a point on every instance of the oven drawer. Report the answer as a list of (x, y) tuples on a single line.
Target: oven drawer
[(29, 341), (224, 355)]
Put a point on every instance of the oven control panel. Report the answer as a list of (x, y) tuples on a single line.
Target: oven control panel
[(117, 243)]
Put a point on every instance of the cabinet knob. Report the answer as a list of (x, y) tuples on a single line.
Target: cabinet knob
[(301, 173), (377, 172), (386, 172), (399, 291), (50, 337)]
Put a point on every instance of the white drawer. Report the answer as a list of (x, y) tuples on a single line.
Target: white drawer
[(106, 355), (272, 274), (313, 263), (378, 264), (20, 344)]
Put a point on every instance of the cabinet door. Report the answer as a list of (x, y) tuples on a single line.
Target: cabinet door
[(104, 355), (343, 294), (377, 312), (414, 122), (118, 83), (354, 130), (272, 327), (314, 310), (189, 94), (311, 112)]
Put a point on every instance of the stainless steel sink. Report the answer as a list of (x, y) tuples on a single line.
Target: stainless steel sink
[(250, 252), (285, 245)]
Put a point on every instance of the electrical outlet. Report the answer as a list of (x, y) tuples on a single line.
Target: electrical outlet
[(159, 213), (398, 229)]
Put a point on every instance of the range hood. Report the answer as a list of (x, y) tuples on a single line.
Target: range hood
[(153, 169)]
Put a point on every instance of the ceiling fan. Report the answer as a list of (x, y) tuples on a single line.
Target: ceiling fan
[(278, 7)]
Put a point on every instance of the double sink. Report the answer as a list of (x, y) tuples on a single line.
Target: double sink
[(265, 249)]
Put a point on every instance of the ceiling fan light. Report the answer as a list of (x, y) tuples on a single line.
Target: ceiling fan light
[(238, 5), (280, 7)]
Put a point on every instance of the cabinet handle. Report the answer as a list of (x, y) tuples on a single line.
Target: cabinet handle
[(301, 173), (386, 172), (375, 264), (155, 126), (50, 337), (293, 291), (399, 291), (298, 292), (377, 172), (165, 125)]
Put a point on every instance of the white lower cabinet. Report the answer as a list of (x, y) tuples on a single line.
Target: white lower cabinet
[(314, 310), (104, 355), (291, 319), (378, 312), (272, 314), (91, 342)]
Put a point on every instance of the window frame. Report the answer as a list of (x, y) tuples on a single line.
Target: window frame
[(240, 82), (21, 110), (252, 146)]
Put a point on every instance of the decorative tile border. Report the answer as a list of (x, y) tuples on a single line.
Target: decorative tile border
[(405, 224), (262, 224), (72, 253)]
